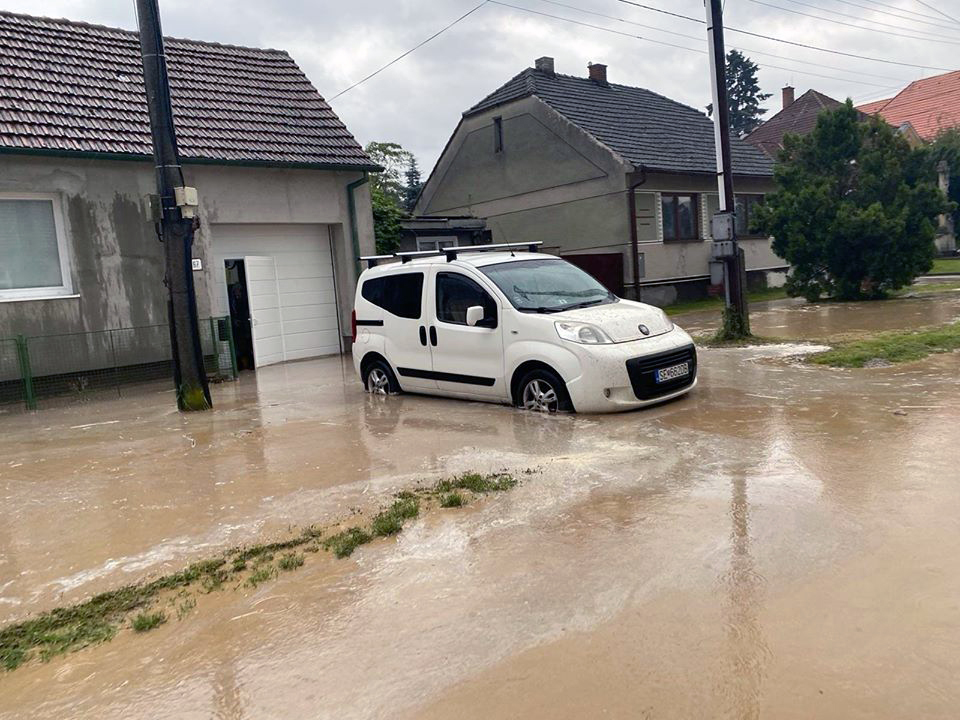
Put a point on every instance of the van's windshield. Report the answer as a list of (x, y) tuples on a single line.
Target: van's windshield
[(547, 285)]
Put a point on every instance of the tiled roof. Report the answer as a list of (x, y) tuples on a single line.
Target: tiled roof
[(641, 126), (872, 107), (798, 117), (69, 87), (929, 105)]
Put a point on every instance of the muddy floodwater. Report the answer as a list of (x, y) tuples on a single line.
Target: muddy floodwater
[(781, 543)]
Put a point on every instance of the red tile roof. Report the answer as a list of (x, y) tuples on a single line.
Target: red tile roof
[(872, 107), (929, 105), (69, 87)]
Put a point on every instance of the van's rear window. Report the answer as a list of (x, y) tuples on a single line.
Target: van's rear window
[(399, 294)]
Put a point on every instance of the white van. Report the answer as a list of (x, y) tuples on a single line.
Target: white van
[(524, 328)]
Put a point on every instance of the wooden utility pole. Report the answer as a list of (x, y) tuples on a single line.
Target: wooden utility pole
[(177, 207), (736, 317)]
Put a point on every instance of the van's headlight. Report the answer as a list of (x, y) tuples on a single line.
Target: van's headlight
[(582, 333)]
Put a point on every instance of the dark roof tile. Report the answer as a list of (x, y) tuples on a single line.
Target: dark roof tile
[(641, 126), (69, 86)]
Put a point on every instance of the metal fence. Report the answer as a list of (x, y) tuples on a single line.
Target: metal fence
[(42, 370)]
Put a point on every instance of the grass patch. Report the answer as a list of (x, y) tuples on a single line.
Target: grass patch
[(148, 621), (718, 303), (344, 543), (291, 561), (98, 619), (946, 265), (893, 347), (390, 521), (259, 576), (477, 483), (451, 500)]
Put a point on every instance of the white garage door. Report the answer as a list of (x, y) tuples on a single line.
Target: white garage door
[(306, 324)]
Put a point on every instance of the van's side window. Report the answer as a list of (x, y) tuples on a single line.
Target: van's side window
[(399, 294), (456, 293)]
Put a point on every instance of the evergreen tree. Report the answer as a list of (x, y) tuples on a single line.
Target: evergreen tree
[(743, 94), (411, 190), (855, 211)]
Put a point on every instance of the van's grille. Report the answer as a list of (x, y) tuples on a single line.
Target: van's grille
[(642, 372)]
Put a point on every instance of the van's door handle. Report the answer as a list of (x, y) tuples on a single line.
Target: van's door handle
[(433, 336), (423, 336)]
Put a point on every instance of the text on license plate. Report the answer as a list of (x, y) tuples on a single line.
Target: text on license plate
[(672, 373)]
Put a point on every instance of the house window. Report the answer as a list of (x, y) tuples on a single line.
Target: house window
[(498, 134), (680, 216), (436, 243), (33, 253), (745, 207)]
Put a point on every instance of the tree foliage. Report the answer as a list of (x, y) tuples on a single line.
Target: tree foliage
[(855, 210), (946, 147), (743, 94), (392, 191)]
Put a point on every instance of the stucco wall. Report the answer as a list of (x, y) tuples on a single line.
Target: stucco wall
[(553, 182), (116, 261)]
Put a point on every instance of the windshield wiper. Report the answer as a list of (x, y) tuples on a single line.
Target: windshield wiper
[(541, 309), (586, 303)]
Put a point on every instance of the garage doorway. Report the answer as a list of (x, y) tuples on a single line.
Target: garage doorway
[(290, 286), (239, 305)]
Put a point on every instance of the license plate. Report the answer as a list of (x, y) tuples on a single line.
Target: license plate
[(673, 372)]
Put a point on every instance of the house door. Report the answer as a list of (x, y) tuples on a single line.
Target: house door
[(263, 295)]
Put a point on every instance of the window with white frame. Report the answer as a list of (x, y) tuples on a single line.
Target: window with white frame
[(33, 250), (436, 243)]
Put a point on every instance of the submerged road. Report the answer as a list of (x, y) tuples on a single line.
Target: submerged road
[(780, 543)]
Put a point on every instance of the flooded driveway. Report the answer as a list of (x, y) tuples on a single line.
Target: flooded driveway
[(780, 543)]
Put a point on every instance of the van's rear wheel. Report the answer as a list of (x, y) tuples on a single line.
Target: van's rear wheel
[(543, 390), (379, 379)]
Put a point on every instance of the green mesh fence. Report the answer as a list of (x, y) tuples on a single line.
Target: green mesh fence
[(37, 371)]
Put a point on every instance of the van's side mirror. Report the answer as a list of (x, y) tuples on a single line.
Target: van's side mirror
[(474, 315)]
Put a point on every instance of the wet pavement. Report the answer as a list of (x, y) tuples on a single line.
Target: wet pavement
[(780, 543)]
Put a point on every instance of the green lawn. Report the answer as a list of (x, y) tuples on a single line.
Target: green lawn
[(946, 265), (717, 303), (895, 347)]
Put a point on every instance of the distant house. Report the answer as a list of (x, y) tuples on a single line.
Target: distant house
[(283, 210), (929, 106), (617, 179), (797, 116)]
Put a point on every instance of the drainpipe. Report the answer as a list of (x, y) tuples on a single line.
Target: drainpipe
[(352, 210), (635, 244)]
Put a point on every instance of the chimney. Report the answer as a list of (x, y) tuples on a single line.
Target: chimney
[(598, 73), (544, 64), (787, 94)]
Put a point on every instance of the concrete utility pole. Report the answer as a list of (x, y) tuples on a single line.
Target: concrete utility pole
[(736, 317), (177, 207)]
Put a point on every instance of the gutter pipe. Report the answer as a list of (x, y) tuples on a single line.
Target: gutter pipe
[(352, 210)]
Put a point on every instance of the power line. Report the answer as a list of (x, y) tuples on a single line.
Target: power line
[(673, 45), (938, 11), (895, 15), (925, 33), (858, 27), (415, 47), (895, 7), (740, 48), (791, 42)]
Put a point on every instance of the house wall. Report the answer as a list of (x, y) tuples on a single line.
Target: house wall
[(552, 182), (116, 261), (663, 260)]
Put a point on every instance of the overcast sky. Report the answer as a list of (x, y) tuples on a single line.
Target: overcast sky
[(418, 101)]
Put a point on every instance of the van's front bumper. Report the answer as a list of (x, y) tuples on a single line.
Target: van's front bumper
[(620, 376)]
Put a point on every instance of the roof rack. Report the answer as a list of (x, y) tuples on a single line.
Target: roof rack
[(450, 252)]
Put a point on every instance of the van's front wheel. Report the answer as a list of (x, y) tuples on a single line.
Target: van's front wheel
[(380, 380), (542, 390)]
